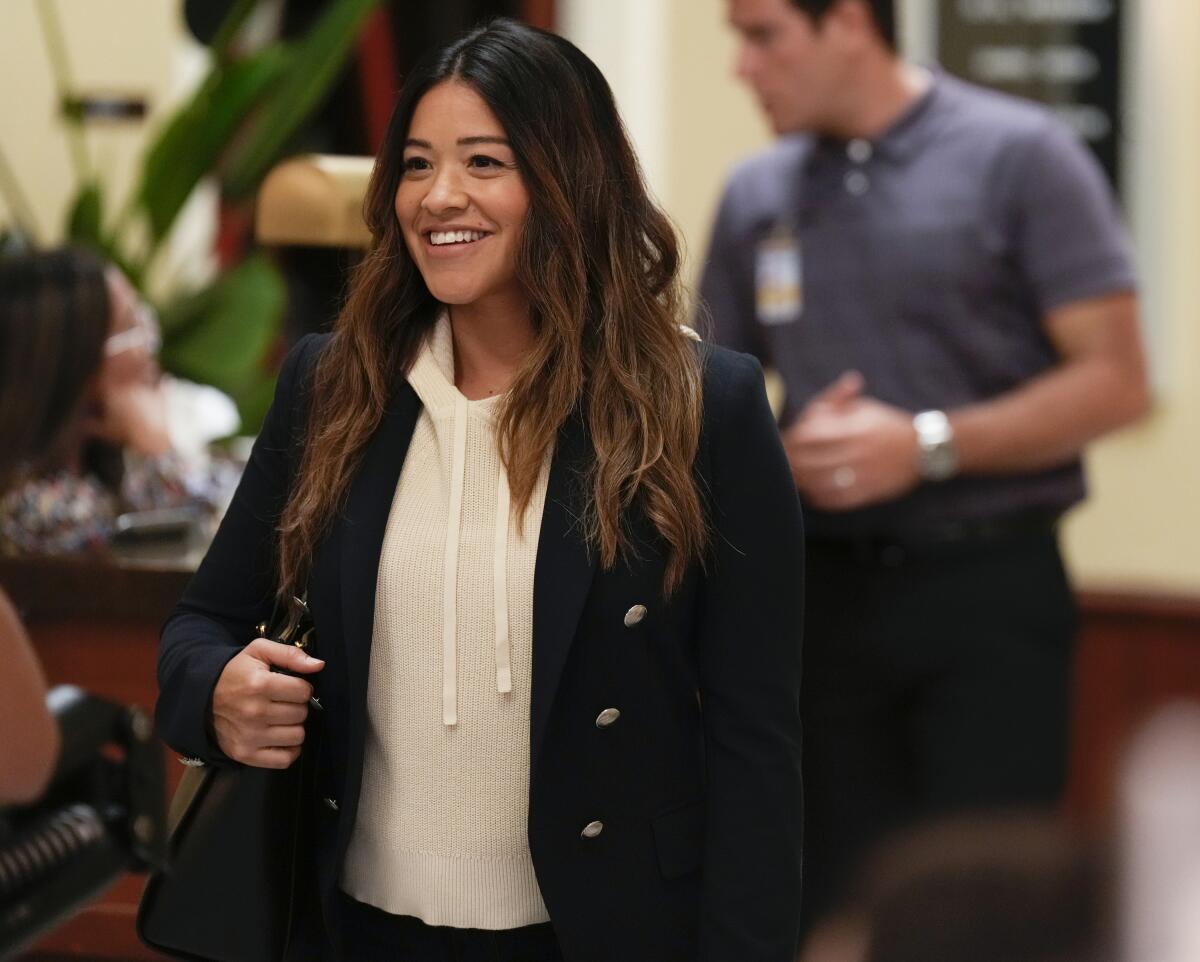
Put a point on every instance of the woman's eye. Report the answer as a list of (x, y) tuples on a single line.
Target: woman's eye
[(416, 163), (483, 161)]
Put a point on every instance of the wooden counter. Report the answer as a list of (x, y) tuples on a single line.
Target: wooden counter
[(94, 623)]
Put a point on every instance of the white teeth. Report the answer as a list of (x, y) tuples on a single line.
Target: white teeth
[(437, 238)]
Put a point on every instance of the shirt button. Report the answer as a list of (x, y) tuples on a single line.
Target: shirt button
[(857, 183), (592, 829), (331, 804), (607, 717), (634, 615), (859, 150)]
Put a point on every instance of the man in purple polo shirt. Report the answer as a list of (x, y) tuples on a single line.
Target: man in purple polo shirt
[(940, 276)]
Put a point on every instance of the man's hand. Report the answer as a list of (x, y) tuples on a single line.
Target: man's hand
[(848, 450), (258, 715)]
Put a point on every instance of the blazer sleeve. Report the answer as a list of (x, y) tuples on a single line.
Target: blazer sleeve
[(749, 644), (234, 588)]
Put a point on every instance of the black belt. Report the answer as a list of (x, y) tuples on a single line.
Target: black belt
[(943, 537)]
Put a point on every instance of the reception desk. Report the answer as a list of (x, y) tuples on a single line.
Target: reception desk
[(95, 624)]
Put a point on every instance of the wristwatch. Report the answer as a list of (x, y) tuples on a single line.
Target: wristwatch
[(937, 457)]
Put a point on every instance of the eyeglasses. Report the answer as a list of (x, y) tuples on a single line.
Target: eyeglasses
[(143, 334)]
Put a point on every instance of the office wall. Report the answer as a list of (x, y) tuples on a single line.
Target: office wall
[(129, 47), (1141, 527)]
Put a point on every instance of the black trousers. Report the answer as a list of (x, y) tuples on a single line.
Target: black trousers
[(372, 935), (936, 680)]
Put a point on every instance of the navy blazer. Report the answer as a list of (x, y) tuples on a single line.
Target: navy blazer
[(697, 785)]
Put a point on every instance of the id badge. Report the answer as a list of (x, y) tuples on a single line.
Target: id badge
[(779, 278)]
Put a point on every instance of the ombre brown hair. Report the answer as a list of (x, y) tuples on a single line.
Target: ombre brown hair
[(599, 263)]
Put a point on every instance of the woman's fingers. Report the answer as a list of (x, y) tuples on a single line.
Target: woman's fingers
[(271, 757), (283, 736), (285, 713)]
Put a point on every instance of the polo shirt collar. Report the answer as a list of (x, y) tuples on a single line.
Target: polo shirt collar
[(907, 133)]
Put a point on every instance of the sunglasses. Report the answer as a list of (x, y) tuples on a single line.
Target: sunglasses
[(143, 334)]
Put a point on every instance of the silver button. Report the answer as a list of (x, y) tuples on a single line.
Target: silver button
[(592, 829), (857, 183), (331, 804), (607, 717), (859, 150), (634, 615)]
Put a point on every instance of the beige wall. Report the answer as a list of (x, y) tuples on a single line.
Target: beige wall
[(129, 47), (1141, 527)]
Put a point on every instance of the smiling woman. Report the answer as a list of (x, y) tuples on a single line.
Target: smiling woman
[(462, 205), (552, 551)]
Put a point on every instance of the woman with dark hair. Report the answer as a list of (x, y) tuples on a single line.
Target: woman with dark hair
[(552, 551), (79, 330)]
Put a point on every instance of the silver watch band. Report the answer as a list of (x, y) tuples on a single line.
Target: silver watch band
[(937, 457)]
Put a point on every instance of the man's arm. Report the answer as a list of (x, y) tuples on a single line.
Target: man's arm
[(1099, 385)]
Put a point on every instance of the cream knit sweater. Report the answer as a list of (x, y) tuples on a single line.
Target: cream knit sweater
[(441, 826)]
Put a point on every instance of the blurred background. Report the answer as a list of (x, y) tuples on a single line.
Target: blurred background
[(165, 134)]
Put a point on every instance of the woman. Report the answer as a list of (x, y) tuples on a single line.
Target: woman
[(116, 452), (552, 552)]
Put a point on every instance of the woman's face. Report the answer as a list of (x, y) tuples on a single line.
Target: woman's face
[(461, 203), (129, 408)]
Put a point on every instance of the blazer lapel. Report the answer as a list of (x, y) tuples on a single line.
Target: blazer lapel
[(562, 575), (362, 529)]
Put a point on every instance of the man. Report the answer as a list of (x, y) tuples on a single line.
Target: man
[(939, 274)]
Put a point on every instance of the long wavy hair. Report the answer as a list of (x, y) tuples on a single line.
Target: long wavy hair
[(599, 263), (54, 318)]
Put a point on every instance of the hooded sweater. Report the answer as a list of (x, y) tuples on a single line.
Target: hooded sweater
[(441, 825)]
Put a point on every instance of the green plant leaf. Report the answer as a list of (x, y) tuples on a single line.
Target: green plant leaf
[(233, 22), (314, 65), (190, 145), (86, 215), (222, 334)]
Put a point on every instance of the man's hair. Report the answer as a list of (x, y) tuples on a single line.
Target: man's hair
[(883, 12)]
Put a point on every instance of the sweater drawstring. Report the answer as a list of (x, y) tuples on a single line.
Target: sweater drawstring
[(503, 636), (458, 472)]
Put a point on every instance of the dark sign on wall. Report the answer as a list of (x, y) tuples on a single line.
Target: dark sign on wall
[(1063, 53)]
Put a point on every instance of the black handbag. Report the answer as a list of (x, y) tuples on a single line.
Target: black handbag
[(237, 877)]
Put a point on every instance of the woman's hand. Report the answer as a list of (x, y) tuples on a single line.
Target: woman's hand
[(131, 414), (258, 715)]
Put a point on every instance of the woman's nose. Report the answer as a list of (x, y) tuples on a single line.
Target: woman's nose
[(445, 193)]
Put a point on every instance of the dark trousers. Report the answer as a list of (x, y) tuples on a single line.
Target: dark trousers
[(936, 680), (372, 935)]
